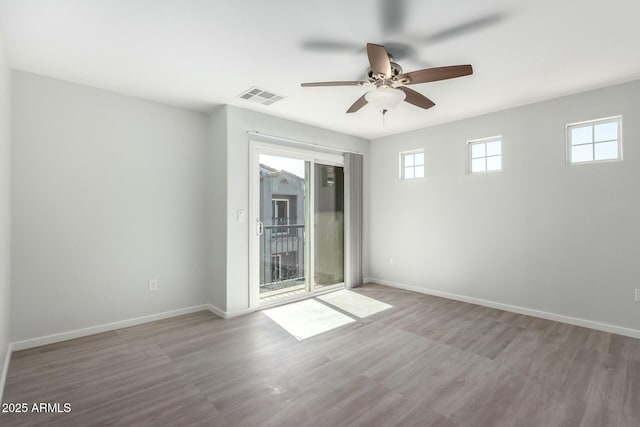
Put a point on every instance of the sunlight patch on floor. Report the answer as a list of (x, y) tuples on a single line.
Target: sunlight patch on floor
[(355, 303), (307, 318)]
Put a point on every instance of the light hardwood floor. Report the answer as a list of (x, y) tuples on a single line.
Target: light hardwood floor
[(426, 362)]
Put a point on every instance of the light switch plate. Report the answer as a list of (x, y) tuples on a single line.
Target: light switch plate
[(242, 215), (153, 285)]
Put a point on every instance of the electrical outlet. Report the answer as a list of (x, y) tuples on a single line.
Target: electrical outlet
[(153, 285), (392, 261), (637, 295)]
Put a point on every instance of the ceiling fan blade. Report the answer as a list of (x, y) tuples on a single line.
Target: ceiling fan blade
[(463, 28), (392, 15), (379, 59), (330, 46), (435, 74), (361, 102), (319, 84), (416, 98)]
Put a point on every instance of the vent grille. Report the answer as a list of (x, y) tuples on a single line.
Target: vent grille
[(261, 96)]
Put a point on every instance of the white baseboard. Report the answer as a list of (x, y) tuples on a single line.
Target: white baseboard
[(63, 336), (237, 313), (5, 370), (215, 310), (614, 329), (228, 314)]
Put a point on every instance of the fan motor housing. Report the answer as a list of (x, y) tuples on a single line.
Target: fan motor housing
[(396, 70)]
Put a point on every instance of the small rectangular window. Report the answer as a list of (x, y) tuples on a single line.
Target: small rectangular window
[(280, 214), (485, 155), (412, 164), (595, 141)]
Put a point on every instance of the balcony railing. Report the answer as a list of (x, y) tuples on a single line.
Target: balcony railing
[(282, 255)]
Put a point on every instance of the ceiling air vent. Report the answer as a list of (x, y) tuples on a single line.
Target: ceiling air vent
[(260, 96)]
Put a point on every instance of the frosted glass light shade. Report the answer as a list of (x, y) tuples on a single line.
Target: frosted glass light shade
[(385, 98)]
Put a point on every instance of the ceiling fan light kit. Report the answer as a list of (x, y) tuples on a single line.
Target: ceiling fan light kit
[(390, 82), (385, 98)]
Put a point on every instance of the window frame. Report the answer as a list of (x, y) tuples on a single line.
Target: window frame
[(485, 140), (402, 155), (593, 123)]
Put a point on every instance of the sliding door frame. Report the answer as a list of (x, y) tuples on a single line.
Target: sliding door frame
[(255, 149)]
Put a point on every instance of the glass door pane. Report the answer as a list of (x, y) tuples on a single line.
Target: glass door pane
[(283, 217), (328, 225)]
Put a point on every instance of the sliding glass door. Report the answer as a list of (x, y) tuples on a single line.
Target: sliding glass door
[(297, 239)]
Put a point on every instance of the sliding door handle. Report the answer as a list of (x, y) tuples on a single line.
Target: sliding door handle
[(260, 227)]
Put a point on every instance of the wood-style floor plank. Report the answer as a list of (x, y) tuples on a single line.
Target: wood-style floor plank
[(426, 361)]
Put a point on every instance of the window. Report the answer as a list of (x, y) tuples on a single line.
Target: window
[(595, 141), (412, 164), (485, 155), (280, 211), (280, 214)]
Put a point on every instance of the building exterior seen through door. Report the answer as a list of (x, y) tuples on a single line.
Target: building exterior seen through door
[(283, 230)]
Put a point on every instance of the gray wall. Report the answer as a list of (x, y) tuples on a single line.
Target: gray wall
[(217, 211), (239, 122), (107, 194), (5, 208), (540, 235)]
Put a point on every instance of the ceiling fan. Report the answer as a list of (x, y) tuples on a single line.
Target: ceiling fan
[(393, 20), (391, 82)]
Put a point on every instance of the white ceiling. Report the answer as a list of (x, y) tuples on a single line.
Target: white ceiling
[(199, 53)]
